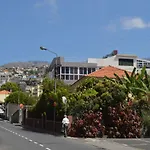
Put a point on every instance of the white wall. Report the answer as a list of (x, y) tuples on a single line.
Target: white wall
[(2, 97), (112, 61)]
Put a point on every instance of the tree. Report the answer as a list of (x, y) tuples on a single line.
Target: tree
[(10, 86), (95, 94), (49, 98), (138, 85), (19, 97)]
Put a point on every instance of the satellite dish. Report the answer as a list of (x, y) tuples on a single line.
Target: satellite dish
[(64, 99)]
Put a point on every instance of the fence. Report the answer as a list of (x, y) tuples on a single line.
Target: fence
[(43, 124)]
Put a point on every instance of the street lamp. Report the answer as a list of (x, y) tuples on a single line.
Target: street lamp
[(45, 49)]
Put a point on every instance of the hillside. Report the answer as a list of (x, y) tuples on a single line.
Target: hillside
[(25, 64)]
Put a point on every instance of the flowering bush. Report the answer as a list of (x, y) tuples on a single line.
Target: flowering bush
[(88, 125), (123, 122)]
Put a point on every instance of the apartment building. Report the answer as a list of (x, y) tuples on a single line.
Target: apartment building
[(70, 72), (34, 90)]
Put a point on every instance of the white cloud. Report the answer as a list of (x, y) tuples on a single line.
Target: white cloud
[(52, 4), (134, 23)]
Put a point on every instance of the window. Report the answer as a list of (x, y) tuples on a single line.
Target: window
[(81, 70), (125, 62), (67, 70), (71, 70), (139, 65), (63, 70), (75, 70), (89, 70), (71, 77), (62, 77), (85, 70), (93, 69), (67, 77), (76, 77)]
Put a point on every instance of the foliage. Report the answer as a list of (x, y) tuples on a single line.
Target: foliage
[(123, 122), (89, 83), (19, 97), (94, 94), (146, 123), (138, 85), (88, 125), (49, 97), (10, 86)]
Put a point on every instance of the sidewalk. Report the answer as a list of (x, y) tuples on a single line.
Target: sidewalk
[(106, 144)]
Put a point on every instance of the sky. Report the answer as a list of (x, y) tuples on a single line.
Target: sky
[(74, 29)]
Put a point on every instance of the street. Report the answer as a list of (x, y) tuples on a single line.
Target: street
[(15, 138)]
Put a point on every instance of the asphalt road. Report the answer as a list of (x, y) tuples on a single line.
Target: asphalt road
[(16, 138)]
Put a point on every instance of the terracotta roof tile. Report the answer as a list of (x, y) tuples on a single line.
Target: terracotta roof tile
[(4, 92), (108, 71)]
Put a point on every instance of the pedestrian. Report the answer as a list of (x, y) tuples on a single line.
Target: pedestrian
[(65, 123)]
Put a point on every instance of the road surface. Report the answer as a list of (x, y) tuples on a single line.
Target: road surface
[(16, 138)]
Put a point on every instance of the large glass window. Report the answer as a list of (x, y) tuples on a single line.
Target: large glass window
[(71, 70), (89, 70), (67, 70), (63, 70), (125, 62), (71, 77), (67, 77), (76, 77), (85, 70), (62, 77), (81, 70), (75, 70), (93, 69)]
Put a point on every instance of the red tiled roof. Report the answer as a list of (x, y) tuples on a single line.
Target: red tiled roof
[(108, 71), (4, 92)]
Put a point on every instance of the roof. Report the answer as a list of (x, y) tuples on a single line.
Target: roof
[(108, 71), (4, 92), (126, 55)]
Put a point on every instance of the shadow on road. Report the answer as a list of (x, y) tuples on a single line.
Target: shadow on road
[(41, 131)]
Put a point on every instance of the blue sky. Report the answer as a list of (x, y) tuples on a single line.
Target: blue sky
[(75, 29)]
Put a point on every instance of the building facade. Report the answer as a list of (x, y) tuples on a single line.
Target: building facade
[(34, 90), (70, 72), (122, 61)]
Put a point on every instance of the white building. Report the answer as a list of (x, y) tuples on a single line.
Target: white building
[(4, 77), (122, 61), (34, 90)]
